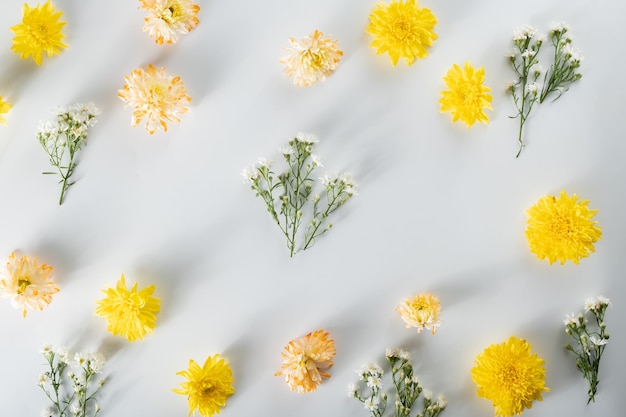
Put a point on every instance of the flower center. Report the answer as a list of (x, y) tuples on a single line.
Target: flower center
[(401, 29), (22, 283), (316, 59), (174, 13), (561, 227), (509, 376)]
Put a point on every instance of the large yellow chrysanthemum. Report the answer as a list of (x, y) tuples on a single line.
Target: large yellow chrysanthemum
[(421, 311), (27, 283), (208, 387), (466, 96), (305, 361), (167, 18), (311, 60), (4, 108), (510, 376), (560, 228), (402, 29), (39, 32), (129, 313), (156, 95)]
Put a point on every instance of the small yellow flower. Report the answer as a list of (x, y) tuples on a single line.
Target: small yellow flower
[(305, 361), (560, 228), (421, 311), (466, 96), (156, 95), (311, 60), (402, 29), (167, 18), (510, 376), (27, 283), (129, 313), (207, 388), (39, 32), (4, 108)]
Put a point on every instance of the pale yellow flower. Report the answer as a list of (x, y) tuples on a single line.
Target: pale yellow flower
[(156, 95), (167, 18), (561, 229), (4, 108), (39, 32), (312, 59), (421, 311), (466, 96), (510, 376), (305, 361), (402, 29), (130, 313), (207, 388), (28, 283)]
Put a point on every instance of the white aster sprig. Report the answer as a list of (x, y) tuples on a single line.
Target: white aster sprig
[(63, 136), (406, 383), (534, 83), (68, 382), (289, 195), (591, 339)]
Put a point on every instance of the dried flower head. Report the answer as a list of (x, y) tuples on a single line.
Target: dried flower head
[(312, 59), (305, 361), (4, 108), (421, 311), (466, 96), (39, 32), (402, 29), (167, 18), (28, 283), (130, 313), (207, 387), (156, 95), (561, 229)]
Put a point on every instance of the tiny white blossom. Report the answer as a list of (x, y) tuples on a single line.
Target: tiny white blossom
[(352, 389), (63, 354), (287, 150), (316, 160), (249, 175), (590, 304), (512, 53), (307, 138), (374, 381), (559, 27), (532, 88), (523, 33), (43, 378), (595, 339), (328, 179), (48, 412), (371, 403), (441, 402), (528, 53), (428, 394), (570, 319), (265, 163), (96, 361), (537, 69), (45, 349), (80, 358), (572, 54), (75, 409), (603, 300)]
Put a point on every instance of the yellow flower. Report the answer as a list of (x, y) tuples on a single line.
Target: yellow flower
[(166, 18), (28, 284), (208, 387), (510, 376), (466, 96), (312, 59), (305, 361), (156, 95), (4, 108), (39, 32), (560, 228), (129, 313), (421, 311), (402, 29)]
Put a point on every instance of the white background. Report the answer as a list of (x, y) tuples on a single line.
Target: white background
[(441, 208)]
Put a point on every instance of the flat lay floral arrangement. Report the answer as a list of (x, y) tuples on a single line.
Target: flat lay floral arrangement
[(306, 197)]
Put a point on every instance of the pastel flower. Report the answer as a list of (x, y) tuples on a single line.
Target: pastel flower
[(312, 59), (421, 311), (168, 18), (466, 96)]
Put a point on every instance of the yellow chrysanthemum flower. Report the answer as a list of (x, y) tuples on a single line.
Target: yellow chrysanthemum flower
[(4, 109), (305, 361), (311, 60), (167, 18), (466, 96), (510, 376), (560, 228), (208, 387), (156, 95), (421, 311), (39, 32), (402, 29), (129, 313), (27, 283)]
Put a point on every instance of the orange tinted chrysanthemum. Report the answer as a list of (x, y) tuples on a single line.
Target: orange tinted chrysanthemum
[(27, 283), (167, 18), (466, 96), (312, 59), (156, 95), (305, 361), (421, 311)]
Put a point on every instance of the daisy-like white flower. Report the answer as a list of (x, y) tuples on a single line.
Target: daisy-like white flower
[(168, 18), (312, 59), (306, 360), (4, 108), (421, 311), (39, 32), (158, 96), (27, 283)]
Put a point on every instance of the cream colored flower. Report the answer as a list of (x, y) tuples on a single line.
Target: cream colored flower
[(421, 311), (312, 59), (167, 18)]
